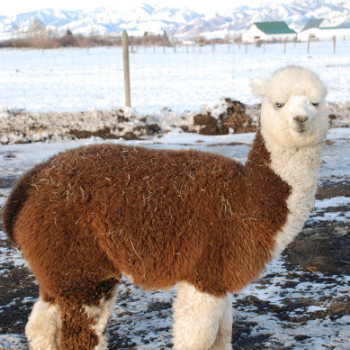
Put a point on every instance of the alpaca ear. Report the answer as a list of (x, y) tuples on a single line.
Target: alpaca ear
[(258, 86)]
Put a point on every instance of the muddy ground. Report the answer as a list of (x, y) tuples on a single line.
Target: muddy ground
[(321, 252)]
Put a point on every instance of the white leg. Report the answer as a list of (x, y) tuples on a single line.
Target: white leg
[(100, 315), (44, 326), (224, 336), (196, 318)]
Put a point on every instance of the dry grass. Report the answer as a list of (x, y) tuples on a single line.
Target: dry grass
[(70, 40)]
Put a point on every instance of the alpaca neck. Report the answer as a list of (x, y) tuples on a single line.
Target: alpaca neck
[(298, 167), (259, 212)]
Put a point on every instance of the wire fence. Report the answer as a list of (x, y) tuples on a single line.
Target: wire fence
[(180, 77)]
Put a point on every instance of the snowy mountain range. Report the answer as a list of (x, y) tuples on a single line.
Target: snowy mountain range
[(179, 22)]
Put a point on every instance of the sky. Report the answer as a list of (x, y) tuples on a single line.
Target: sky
[(13, 7)]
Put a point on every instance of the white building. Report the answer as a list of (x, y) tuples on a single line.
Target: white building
[(189, 42), (314, 31), (268, 31)]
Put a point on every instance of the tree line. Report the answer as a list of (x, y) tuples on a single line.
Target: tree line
[(40, 37)]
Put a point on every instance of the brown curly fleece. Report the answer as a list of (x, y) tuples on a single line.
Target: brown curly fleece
[(90, 214)]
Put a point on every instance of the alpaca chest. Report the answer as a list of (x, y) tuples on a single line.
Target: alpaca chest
[(299, 168)]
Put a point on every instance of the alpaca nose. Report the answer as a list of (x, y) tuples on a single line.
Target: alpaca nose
[(301, 118)]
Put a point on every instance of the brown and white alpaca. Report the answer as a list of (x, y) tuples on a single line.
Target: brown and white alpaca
[(89, 215)]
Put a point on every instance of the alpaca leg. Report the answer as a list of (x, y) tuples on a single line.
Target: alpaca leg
[(101, 314), (44, 326), (196, 318), (224, 336), (84, 326)]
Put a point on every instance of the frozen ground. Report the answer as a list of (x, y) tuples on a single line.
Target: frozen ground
[(302, 301), (20, 126), (78, 80)]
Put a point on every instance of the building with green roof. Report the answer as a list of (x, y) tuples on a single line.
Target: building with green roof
[(314, 31), (269, 31)]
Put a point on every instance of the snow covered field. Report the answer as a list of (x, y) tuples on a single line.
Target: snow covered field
[(293, 306), (76, 80)]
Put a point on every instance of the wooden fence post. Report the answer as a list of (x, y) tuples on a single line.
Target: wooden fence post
[(334, 43), (246, 47), (125, 42)]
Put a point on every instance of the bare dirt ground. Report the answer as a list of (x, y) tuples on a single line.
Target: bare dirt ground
[(21, 126)]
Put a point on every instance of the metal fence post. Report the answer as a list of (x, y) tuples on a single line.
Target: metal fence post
[(125, 42), (334, 43), (308, 46)]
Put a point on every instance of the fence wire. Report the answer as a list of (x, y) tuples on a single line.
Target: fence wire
[(179, 78)]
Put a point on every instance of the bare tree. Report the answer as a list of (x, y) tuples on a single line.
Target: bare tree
[(17, 32), (36, 30)]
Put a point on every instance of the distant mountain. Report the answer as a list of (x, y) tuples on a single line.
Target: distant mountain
[(180, 22), (296, 14)]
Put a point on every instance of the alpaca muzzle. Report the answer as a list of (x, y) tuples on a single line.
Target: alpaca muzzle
[(300, 123)]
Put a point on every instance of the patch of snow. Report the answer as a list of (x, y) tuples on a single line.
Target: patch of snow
[(332, 202), (215, 108), (12, 342), (321, 212), (338, 133), (12, 256), (316, 308)]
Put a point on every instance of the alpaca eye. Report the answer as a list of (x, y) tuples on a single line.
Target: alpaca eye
[(279, 105), (314, 104)]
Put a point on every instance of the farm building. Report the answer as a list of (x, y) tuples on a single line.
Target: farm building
[(314, 31), (268, 31), (189, 42)]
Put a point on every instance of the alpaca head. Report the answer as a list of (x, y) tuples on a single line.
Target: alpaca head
[(293, 112)]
